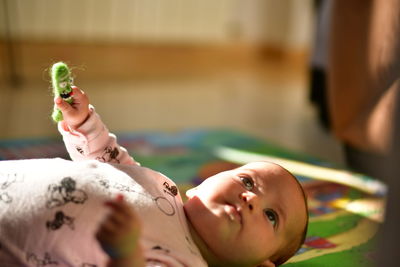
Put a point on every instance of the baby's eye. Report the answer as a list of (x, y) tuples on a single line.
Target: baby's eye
[(271, 216), (63, 84), (247, 182)]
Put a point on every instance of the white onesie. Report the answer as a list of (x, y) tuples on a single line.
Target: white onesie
[(51, 208)]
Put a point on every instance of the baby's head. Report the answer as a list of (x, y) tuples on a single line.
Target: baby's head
[(254, 215)]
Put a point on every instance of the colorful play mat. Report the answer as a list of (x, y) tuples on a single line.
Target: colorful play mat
[(345, 208)]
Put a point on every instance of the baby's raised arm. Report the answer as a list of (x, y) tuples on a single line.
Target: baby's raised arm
[(84, 134)]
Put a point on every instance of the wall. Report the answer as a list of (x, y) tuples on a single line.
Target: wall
[(283, 23)]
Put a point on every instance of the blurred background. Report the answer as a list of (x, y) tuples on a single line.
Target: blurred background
[(166, 66)]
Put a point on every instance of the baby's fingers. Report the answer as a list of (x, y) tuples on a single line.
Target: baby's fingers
[(79, 96), (65, 107), (123, 215), (121, 209)]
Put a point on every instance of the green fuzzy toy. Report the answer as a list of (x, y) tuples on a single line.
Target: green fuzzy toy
[(61, 82)]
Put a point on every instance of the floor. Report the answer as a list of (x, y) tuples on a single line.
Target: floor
[(270, 102)]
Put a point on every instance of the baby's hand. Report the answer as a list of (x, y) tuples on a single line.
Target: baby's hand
[(76, 113), (119, 233)]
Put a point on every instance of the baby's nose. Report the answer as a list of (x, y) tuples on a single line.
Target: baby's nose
[(249, 198)]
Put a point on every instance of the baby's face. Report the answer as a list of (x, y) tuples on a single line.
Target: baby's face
[(246, 215)]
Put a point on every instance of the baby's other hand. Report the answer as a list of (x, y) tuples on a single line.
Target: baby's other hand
[(76, 113), (119, 233)]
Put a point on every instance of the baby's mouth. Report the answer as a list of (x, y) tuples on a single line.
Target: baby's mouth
[(233, 213)]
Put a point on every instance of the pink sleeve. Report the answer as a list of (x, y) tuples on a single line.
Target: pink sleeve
[(92, 140)]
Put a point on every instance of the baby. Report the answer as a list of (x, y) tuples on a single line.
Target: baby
[(254, 215)]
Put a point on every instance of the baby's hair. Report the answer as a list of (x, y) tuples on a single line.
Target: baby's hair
[(295, 244)]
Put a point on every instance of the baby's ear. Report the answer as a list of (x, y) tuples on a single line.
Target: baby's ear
[(191, 192), (266, 263)]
